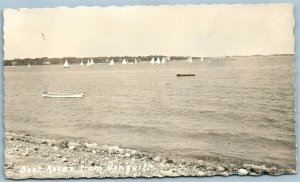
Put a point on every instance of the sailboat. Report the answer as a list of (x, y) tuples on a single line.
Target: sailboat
[(66, 65), (135, 61), (202, 59), (190, 60), (81, 64), (152, 61), (157, 61), (124, 61), (88, 63), (92, 62), (163, 61), (111, 62), (28, 65)]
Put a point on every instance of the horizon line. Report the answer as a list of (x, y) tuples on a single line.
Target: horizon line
[(277, 54)]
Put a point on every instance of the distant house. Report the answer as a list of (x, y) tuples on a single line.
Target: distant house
[(47, 62)]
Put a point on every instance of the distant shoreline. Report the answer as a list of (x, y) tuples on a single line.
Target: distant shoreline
[(118, 59)]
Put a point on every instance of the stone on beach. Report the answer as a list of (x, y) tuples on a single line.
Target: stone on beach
[(45, 155), (44, 142), (210, 168), (72, 147), (243, 172), (91, 163), (76, 144), (36, 148), (76, 161), (200, 173), (168, 161), (127, 155), (9, 137), (63, 144), (255, 168), (220, 169), (91, 145), (225, 173), (55, 148), (201, 162), (9, 166), (25, 154), (156, 159)]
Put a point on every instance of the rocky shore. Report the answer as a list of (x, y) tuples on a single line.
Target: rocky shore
[(29, 156)]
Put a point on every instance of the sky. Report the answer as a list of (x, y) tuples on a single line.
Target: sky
[(178, 30)]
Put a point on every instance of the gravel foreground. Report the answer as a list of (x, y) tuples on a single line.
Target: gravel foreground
[(33, 157)]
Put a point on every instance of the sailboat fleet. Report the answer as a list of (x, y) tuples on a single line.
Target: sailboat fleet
[(90, 62), (158, 61), (111, 63), (153, 60)]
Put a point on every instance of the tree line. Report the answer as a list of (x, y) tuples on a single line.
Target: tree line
[(46, 60)]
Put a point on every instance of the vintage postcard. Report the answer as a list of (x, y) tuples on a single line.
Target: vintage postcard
[(149, 91)]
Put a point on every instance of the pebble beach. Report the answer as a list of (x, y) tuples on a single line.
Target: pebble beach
[(29, 156)]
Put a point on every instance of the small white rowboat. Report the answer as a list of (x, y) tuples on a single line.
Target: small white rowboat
[(62, 95)]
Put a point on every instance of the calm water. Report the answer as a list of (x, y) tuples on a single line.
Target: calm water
[(237, 109)]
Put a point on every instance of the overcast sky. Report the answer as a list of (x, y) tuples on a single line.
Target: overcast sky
[(182, 30)]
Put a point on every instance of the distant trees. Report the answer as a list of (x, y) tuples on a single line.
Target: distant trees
[(72, 60), (43, 60)]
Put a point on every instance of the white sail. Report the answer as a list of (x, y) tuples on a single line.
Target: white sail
[(88, 63), (135, 61), (111, 62), (66, 65), (157, 61), (124, 61), (163, 61), (190, 60), (202, 59), (152, 61), (81, 64), (92, 62), (28, 65)]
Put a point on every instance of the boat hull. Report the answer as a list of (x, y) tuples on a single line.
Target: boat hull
[(178, 75), (62, 95)]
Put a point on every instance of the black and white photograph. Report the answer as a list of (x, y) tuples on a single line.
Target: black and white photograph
[(149, 91)]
